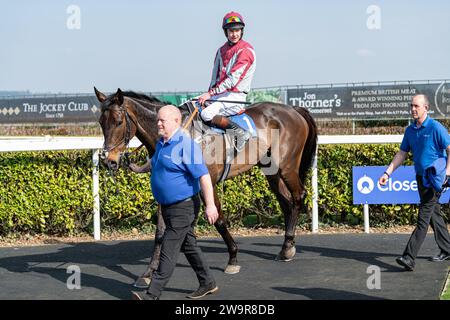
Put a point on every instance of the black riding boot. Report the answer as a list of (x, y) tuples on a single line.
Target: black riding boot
[(242, 136)]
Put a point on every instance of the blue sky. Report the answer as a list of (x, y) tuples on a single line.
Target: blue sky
[(170, 45)]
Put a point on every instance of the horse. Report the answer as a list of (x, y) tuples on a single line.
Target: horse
[(126, 114)]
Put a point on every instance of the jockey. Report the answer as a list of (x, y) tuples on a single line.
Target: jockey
[(234, 66)]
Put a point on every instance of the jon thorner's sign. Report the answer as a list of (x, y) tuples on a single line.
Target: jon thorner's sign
[(370, 102)]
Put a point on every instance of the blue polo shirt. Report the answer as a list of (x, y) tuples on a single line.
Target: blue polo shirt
[(177, 166), (427, 143)]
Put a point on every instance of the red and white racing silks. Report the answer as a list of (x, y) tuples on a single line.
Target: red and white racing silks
[(234, 67)]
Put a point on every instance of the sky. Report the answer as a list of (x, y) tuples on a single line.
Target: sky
[(153, 46)]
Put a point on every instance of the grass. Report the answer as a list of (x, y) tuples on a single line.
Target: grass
[(446, 292)]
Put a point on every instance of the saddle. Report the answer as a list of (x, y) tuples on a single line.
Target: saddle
[(205, 129), (241, 119)]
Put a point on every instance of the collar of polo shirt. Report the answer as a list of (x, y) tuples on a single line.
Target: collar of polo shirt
[(175, 137), (424, 124)]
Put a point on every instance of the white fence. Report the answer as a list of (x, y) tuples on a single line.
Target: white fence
[(360, 139), (66, 143), (95, 144)]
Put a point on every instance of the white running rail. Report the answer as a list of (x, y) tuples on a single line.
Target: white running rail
[(47, 143)]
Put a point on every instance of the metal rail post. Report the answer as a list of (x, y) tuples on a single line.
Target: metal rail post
[(95, 191), (315, 195), (366, 218)]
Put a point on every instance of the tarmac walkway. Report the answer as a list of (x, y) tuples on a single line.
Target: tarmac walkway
[(326, 266)]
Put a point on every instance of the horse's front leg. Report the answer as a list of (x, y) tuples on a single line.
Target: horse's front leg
[(144, 280), (221, 226)]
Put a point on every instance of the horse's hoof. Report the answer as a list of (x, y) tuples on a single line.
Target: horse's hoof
[(286, 256), (232, 269), (142, 282), (136, 295), (282, 258)]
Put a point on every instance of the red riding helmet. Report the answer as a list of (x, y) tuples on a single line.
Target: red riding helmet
[(233, 20)]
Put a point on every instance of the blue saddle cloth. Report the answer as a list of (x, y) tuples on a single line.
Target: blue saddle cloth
[(243, 120)]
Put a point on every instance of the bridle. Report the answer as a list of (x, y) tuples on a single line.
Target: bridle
[(126, 137), (129, 118)]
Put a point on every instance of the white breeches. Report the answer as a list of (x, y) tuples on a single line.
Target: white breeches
[(224, 108)]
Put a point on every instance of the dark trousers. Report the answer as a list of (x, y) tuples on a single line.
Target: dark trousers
[(429, 214), (179, 236)]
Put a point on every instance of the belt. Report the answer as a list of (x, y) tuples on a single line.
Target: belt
[(194, 197)]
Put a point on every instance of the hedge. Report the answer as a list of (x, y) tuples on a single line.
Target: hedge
[(51, 192)]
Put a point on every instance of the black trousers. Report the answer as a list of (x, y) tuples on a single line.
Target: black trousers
[(429, 214), (179, 236)]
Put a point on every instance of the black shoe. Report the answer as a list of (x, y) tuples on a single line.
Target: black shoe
[(241, 135), (203, 291), (242, 140), (405, 262), (441, 257), (143, 295)]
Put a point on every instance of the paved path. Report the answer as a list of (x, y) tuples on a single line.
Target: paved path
[(325, 267)]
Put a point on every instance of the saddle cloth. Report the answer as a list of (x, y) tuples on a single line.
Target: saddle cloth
[(242, 120)]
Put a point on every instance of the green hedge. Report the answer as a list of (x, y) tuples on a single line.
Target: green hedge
[(51, 192), (335, 164)]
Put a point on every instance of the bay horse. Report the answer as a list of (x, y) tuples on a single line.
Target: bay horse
[(126, 114)]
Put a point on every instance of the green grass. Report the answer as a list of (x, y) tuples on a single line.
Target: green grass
[(446, 292)]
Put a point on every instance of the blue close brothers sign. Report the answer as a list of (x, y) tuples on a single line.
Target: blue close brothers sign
[(401, 188)]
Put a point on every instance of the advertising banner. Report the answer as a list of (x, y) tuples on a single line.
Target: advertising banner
[(401, 188), (49, 109), (64, 109), (370, 102)]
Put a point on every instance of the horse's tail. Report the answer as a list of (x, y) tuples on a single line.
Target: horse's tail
[(309, 149)]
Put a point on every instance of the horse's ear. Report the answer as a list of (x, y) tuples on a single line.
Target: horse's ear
[(119, 97), (100, 96)]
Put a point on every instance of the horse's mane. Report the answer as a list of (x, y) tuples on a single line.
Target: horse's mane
[(141, 96), (153, 100), (151, 103)]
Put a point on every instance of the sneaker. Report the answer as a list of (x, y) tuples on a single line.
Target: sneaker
[(143, 295), (203, 291), (441, 257)]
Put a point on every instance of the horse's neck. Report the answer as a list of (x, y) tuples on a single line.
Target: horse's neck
[(148, 143), (146, 131)]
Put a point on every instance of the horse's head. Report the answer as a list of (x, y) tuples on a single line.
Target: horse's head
[(118, 126)]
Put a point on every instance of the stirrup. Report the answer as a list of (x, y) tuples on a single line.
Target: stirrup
[(243, 137)]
